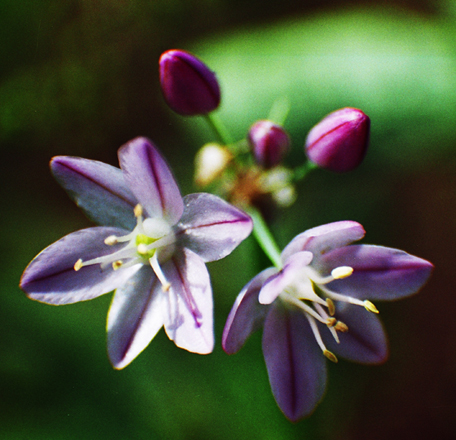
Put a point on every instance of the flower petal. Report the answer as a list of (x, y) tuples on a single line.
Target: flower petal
[(211, 227), (247, 314), (135, 316), (275, 285), (365, 342), (323, 238), (98, 189), (379, 272), (51, 277), (151, 180), (296, 366), (189, 320)]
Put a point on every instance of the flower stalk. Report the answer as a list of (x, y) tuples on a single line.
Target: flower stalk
[(264, 237)]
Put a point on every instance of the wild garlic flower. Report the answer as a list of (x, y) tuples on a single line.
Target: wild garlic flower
[(151, 251)]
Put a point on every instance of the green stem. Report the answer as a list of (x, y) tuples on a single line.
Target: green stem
[(300, 172), (219, 128), (264, 237)]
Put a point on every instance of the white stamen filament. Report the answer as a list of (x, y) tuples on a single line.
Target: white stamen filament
[(301, 305), (313, 325), (158, 271), (107, 259), (344, 298), (336, 274), (323, 313)]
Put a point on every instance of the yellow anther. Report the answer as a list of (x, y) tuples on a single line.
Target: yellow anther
[(331, 306), (138, 211), (331, 356), (166, 286), (341, 327), (341, 272), (370, 307), (117, 264), (77, 265), (330, 322), (112, 239)]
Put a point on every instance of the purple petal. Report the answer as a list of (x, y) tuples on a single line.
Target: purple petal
[(277, 283), (189, 320), (135, 316), (211, 227), (379, 272), (247, 314), (51, 277), (324, 238), (365, 342), (98, 189), (295, 363), (151, 180)]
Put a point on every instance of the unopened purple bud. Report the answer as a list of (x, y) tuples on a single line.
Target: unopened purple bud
[(339, 141), (188, 85), (269, 143)]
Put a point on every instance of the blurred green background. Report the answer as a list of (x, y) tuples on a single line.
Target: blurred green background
[(79, 77)]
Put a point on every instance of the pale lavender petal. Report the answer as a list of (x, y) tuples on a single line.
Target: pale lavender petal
[(51, 277), (295, 363), (189, 317), (324, 238), (135, 316), (247, 314), (365, 342), (275, 285), (150, 179), (211, 227), (379, 272), (98, 189)]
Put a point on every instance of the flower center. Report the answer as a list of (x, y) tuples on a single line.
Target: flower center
[(301, 292), (151, 240)]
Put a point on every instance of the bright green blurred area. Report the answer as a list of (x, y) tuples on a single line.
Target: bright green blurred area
[(80, 78)]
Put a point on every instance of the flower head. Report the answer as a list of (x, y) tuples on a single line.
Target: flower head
[(269, 143), (151, 251), (310, 309), (339, 141), (188, 85)]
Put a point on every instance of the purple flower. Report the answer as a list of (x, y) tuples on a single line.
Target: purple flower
[(309, 308), (188, 85), (339, 141), (269, 143), (151, 250)]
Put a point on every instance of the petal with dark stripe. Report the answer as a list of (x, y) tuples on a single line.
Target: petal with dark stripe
[(135, 317), (247, 314), (150, 179), (295, 363), (380, 273), (211, 227), (322, 239), (51, 277), (98, 189), (364, 342), (189, 315)]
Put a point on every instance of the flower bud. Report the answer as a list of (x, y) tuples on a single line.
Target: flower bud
[(269, 143), (339, 141), (188, 86)]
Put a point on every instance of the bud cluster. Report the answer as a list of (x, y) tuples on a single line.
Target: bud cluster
[(252, 170)]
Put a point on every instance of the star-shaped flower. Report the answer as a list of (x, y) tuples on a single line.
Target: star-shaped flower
[(309, 308), (151, 251)]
